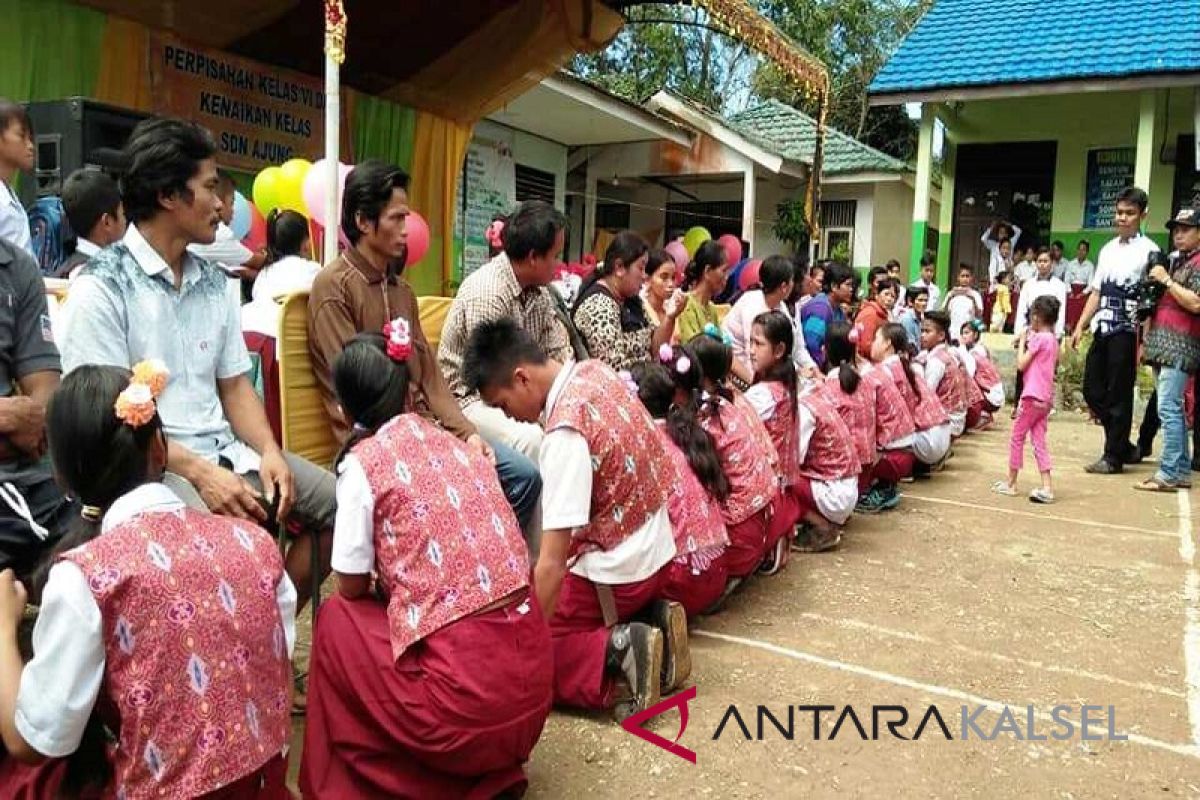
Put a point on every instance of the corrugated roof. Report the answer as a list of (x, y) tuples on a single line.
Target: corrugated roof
[(975, 43), (792, 134)]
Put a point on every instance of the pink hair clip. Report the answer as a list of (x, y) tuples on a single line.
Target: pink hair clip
[(683, 365), (495, 233), (399, 339), (855, 333), (665, 353)]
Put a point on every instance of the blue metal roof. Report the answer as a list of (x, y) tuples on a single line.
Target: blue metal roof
[(979, 43)]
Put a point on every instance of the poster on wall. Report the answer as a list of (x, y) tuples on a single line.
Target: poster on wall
[(1187, 174), (259, 115), (1109, 170), (487, 186)]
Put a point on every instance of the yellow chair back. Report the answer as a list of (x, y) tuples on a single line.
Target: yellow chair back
[(306, 428), (433, 312), (722, 310)]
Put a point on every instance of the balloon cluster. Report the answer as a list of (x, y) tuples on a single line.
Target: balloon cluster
[(301, 186), (684, 251)]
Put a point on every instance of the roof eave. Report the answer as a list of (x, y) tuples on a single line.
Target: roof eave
[(584, 92), (664, 101), (862, 176), (946, 94)]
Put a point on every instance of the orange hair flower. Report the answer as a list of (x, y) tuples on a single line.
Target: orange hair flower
[(152, 373), (135, 406)]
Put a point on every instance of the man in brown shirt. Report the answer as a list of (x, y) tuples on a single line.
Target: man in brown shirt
[(363, 289)]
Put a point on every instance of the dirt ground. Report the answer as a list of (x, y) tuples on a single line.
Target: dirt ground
[(958, 597)]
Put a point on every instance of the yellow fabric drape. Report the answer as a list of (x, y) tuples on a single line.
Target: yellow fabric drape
[(124, 78), (439, 146)]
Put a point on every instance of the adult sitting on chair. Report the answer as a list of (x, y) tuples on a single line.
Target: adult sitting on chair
[(363, 290), (147, 297)]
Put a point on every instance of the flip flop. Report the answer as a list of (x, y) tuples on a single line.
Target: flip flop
[(1155, 484)]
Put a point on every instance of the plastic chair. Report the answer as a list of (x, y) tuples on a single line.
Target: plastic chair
[(433, 312)]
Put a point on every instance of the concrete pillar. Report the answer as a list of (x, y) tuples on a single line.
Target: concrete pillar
[(749, 192), (946, 212), (1147, 138), (924, 178), (589, 210)]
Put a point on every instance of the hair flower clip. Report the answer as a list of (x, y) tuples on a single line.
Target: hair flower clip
[(855, 334), (713, 332), (627, 378), (135, 405), (399, 339), (683, 365), (495, 233), (153, 373), (665, 353)]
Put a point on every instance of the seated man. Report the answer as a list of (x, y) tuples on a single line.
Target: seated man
[(607, 548), (92, 202), (362, 290), (514, 285), (34, 514), (147, 297)]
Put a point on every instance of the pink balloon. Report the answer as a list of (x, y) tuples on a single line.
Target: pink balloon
[(316, 185), (749, 275), (418, 237), (256, 239), (679, 253), (733, 247)]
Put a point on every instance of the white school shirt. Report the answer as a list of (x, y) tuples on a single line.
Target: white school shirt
[(835, 499), (935, 293), (961, 309), (566, 466), (1034, 289), (283, 277), (1079, 272), (59, 687), (933, 370), (14, 222), (1025, 271), (997, 262)]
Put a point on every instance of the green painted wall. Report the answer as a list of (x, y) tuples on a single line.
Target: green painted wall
[(916, 250), (1079, 123)]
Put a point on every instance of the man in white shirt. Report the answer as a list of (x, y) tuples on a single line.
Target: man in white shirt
[(963, 303), (1080, 269), (1044, 283), (16, 154), (993, 239), (927, 281), (92, 202), (607, 541), (1111, 367)]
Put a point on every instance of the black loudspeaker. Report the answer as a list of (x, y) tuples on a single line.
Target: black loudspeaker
[(71, 134)]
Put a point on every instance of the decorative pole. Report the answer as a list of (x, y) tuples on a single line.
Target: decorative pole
[(335, 54)]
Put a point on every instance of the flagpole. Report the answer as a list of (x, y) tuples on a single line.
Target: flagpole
[(335, 54)]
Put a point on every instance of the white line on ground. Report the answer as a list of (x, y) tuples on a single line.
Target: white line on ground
[(1191, 610), (1007, 659), (1040, 516), (1188, 750)]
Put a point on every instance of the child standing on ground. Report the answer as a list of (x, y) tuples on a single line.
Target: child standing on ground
[(1037, 356)]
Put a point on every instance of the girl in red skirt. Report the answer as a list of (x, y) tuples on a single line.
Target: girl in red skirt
[(698, 573), (984, 372), (745, 451), (931, 424), (431, 668), (165, 630), (877, 417)]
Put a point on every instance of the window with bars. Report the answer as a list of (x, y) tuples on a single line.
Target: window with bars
[(838, 213), (535, 184)]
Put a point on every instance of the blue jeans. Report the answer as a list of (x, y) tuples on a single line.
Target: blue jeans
[(1175, 464), (520, 480)]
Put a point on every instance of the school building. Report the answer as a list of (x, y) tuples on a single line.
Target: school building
[(1040, 113)]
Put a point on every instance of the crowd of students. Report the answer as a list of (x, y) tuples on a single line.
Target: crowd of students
[(688, 455)]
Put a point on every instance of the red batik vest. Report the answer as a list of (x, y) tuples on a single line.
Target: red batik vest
[(858, 412), (923, 405), (196, 664), (831, 455), (700, 535), (893, 421), (781, 427), (986, 374), (630, 466), (747, 456), (972, 394), (446, 541), (951, 390)]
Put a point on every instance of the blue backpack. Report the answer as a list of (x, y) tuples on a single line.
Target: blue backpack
[(49, 230)]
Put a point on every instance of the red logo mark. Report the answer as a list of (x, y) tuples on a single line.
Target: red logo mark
[(634, 724)]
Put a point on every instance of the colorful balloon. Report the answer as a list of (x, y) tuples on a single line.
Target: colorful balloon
[(268, 190), (240, 225), (256, 239), (679, 254), (749, 276), (418, 237), (315, 187), (733, 247), (292, 190), (694, 238)]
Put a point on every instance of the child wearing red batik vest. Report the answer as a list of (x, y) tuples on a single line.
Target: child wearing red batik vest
[(607, 545), (438, 682), (829, 468), (875, 413), (942, 371), (172, 629), (747, 454), (979, 364), (931, 425), (698, 573)]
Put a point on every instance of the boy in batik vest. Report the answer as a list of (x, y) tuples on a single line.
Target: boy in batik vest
[(943, 372)]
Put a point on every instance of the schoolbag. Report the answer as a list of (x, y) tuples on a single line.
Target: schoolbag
[(49, 231)]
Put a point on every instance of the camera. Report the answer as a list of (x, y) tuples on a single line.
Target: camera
[(1148, 292)]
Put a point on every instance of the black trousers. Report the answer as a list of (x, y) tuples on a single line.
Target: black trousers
[(1151, 423), (1108, 378)]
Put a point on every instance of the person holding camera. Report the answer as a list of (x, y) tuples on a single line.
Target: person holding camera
[(1111, 365), (1172, 347)]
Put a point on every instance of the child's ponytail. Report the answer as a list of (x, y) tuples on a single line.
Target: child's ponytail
[(896, 336), (370, 377), (840, 352), (777, 330)]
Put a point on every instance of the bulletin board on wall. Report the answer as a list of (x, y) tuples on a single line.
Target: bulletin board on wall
[(1187, 174), (1109, 171), (487, 186)]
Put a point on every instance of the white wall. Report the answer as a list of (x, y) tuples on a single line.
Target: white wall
[(531, 151), (891, 235)]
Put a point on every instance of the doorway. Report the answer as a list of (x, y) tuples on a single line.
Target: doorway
[(1012, 181)]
